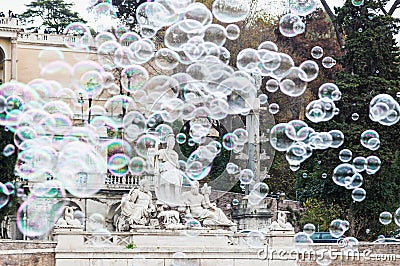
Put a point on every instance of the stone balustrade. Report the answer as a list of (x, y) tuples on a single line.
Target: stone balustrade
[(38, 37), (9, 22)]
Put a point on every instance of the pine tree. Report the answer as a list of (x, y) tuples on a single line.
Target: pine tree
[(55, 14), (371, 62)]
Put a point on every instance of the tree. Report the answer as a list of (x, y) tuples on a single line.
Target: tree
[(127, 11), (371, 62), (55, 14), (7, 165), (340, 33)]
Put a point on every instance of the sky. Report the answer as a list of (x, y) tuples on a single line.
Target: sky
[(18, 6)]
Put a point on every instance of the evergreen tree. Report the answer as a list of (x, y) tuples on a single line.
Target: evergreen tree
[(127, 11), (7, 164), (371, 61), (55, 14)]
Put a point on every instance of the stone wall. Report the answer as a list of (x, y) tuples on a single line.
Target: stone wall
[(27, 253), (367, 254)]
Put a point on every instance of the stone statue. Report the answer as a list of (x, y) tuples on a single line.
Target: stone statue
[(280, 223), (170, 218), (136, 207), (167, 174), (68, 219), (200, 207)]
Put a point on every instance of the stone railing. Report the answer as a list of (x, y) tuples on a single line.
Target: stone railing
[(126, 182), (38, 37), (9, 22)]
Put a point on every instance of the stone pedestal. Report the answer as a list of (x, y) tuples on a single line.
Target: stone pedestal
[(281, 238), (71, 238), (257, 218)]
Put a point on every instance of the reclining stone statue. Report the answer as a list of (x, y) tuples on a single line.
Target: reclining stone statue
[(199, 206)]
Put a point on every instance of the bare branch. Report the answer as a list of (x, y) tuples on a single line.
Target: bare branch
[(395, 5), (328, 10), (338, 31), (382, 8)]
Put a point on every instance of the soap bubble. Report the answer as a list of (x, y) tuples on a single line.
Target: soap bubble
[(343, 174), (273, 108), (133, 78), (373, 164), (246, 176), (311, 70), (263, 98), (232, 31), (232, 168), (345, 155), (137, 165), (337, 138), (360, 163), (384, 109), (279, 138), (302, 8), (181, 138), (302, 238), (309, 229), (229, 141), (328, 62), (397, 217), (290, 25), (230, 11), (317, 52), (385, 218), (272, 85), (357, 2), (355, 116), (4, 195), (8, 150), (336, 228), (370, 139), (358, 194)]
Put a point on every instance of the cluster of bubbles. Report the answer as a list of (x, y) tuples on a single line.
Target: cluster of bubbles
[(53, 153), (324, 109), (299, 141), (384, 109), (58, 157)]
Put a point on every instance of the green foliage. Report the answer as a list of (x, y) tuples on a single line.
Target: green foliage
[(55, 14), (7, 165), (320, 214), (131, 246), (127, 11), (371, 63)]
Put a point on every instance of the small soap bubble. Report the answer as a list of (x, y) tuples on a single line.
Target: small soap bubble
[(355, 116), (357, 2), (358, 194), (309, 229), (273, 108), (263, 98), (232, 31), (336, 228), (345, 155), (328, 62), (8, 150), (317, 52), (385, 218)]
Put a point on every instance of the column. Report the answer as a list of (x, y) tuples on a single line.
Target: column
[(13, 58), (253, 148)]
